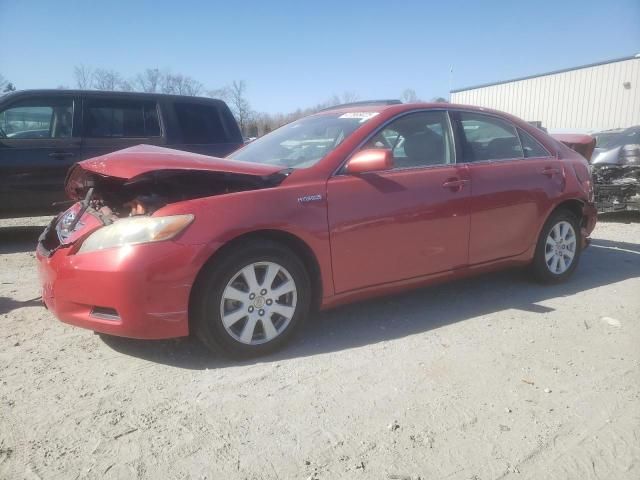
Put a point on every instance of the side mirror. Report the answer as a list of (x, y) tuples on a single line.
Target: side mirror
[(373, 160)]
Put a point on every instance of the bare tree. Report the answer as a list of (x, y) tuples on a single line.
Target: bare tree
[(83, 76), (349, 97), (150, 80), (3, 82), (409, 96), (238, 103), (180, 85), (127, 86), (104, 79), (439, 100)]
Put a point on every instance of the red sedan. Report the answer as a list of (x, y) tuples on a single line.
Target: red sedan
[(343, 205)]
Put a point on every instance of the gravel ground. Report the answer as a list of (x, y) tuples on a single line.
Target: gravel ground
[(488, 378)]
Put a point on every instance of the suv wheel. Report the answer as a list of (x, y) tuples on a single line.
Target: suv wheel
[(253, 300)]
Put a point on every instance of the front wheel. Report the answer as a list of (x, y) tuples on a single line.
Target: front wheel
[(252, 300), (558, 249)]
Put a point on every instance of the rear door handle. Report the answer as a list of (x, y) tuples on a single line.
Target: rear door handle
[(61, 154), (455, 183), (551, 171)]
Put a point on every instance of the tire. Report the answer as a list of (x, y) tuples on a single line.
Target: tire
[(223, 296), (550, 253)]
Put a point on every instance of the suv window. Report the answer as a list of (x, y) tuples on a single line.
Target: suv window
[(488, 138), (531, 146), (200, 123), (418, 139), (105, 118), (38, 118)]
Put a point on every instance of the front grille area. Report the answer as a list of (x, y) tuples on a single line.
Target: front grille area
[(49, 241)]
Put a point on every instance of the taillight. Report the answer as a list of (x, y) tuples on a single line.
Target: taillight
[(584, 176)]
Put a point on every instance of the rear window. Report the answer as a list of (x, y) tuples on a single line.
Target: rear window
[(201, 124), (121, 118), (531, 146)]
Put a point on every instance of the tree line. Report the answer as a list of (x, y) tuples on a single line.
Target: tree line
[(156, 80), (6, 85)]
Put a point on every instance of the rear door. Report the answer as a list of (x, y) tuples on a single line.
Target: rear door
[(513, 183), (39, 141), (114, 123)]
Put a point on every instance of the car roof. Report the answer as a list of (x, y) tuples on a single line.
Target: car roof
[(403, 107), (106, 93)]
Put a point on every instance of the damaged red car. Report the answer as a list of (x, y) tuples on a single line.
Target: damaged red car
[(349, 203)]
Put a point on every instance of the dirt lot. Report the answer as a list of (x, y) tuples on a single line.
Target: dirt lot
[(494, 377)]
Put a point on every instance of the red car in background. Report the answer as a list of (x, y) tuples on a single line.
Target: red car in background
[(343, 205)]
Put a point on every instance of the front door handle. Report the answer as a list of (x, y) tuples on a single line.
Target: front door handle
[(61, 155), (455, 183)]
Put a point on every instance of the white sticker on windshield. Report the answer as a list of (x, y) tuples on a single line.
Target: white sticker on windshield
[(363, 116)]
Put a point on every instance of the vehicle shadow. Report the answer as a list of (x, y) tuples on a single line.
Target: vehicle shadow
[(19, 239), (389, 318), (8, 304)]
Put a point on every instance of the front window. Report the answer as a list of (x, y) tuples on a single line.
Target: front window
[(38, 118), (304, 142), (416, 140)]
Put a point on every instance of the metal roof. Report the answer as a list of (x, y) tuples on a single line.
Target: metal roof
[(554, 72)]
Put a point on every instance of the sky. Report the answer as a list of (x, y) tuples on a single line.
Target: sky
[(295, 54)]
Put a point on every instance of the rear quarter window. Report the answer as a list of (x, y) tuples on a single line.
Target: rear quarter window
[(201, 124)]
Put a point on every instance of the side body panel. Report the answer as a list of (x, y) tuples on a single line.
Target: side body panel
[(390, 226)]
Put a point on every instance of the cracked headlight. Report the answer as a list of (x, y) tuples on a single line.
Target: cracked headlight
[(135, 230)]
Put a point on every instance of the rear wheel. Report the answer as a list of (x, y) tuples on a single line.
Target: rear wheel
[(252, 300), (558, 249)]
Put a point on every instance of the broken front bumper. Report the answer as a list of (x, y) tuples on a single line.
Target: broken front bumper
[(617, 187), (617, 197), (139, 291)]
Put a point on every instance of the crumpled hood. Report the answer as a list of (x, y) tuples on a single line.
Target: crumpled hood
[(134, 161)]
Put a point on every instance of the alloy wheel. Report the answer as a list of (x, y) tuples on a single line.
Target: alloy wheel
[(258, 303), (560, 247)]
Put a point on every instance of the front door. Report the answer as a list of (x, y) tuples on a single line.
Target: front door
[(406, 222), (39, 141)]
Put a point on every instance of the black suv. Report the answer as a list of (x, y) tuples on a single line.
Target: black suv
[(43, 132)]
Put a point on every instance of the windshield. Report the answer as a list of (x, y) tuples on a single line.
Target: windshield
[(304, 142), (608, 140)]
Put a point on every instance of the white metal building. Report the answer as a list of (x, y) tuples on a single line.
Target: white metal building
[(592, 97)]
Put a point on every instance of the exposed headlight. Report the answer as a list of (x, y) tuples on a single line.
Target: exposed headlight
[(135, 230)]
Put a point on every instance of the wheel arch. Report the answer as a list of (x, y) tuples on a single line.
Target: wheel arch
[(573, 205), (287, 239)]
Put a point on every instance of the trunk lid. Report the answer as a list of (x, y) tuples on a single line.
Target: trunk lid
[(581, 143)]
